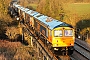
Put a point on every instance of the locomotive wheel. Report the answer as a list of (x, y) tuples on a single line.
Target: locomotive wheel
[(52, 49), (70, 52)]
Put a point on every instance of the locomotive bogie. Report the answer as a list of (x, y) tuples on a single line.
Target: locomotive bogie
[(63, 50)]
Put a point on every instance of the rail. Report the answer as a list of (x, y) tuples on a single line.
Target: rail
[(82, 52)]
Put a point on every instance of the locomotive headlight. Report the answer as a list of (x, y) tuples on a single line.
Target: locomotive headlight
[(71, 44), (56, 49), (55, 44), (17, 18)]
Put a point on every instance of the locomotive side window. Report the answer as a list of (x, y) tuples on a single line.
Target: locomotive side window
[(43, 32), (68, 32), (58, 33)]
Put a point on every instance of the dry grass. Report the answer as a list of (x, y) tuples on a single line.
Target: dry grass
[(15, 51)]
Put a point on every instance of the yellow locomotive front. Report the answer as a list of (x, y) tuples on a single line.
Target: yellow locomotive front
[(63, 39)]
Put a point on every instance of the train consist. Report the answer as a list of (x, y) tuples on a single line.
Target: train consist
[(59, 36)]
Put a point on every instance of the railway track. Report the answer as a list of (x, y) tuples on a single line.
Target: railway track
[(82, 46), (84, 52), (71, 58)]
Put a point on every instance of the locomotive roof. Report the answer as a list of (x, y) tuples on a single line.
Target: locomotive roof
[(21, 8), (50, 22), (16, 5)]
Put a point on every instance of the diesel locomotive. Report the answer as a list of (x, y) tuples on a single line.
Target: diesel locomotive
[(58, 35)]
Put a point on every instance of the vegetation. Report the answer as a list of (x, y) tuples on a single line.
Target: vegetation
[(79, 16), (4, 17), (16, 51), (11, 50), (4, 10), (31, 4)]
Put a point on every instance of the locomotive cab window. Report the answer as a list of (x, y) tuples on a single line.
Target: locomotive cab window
[(68, 32), (58, 33)]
